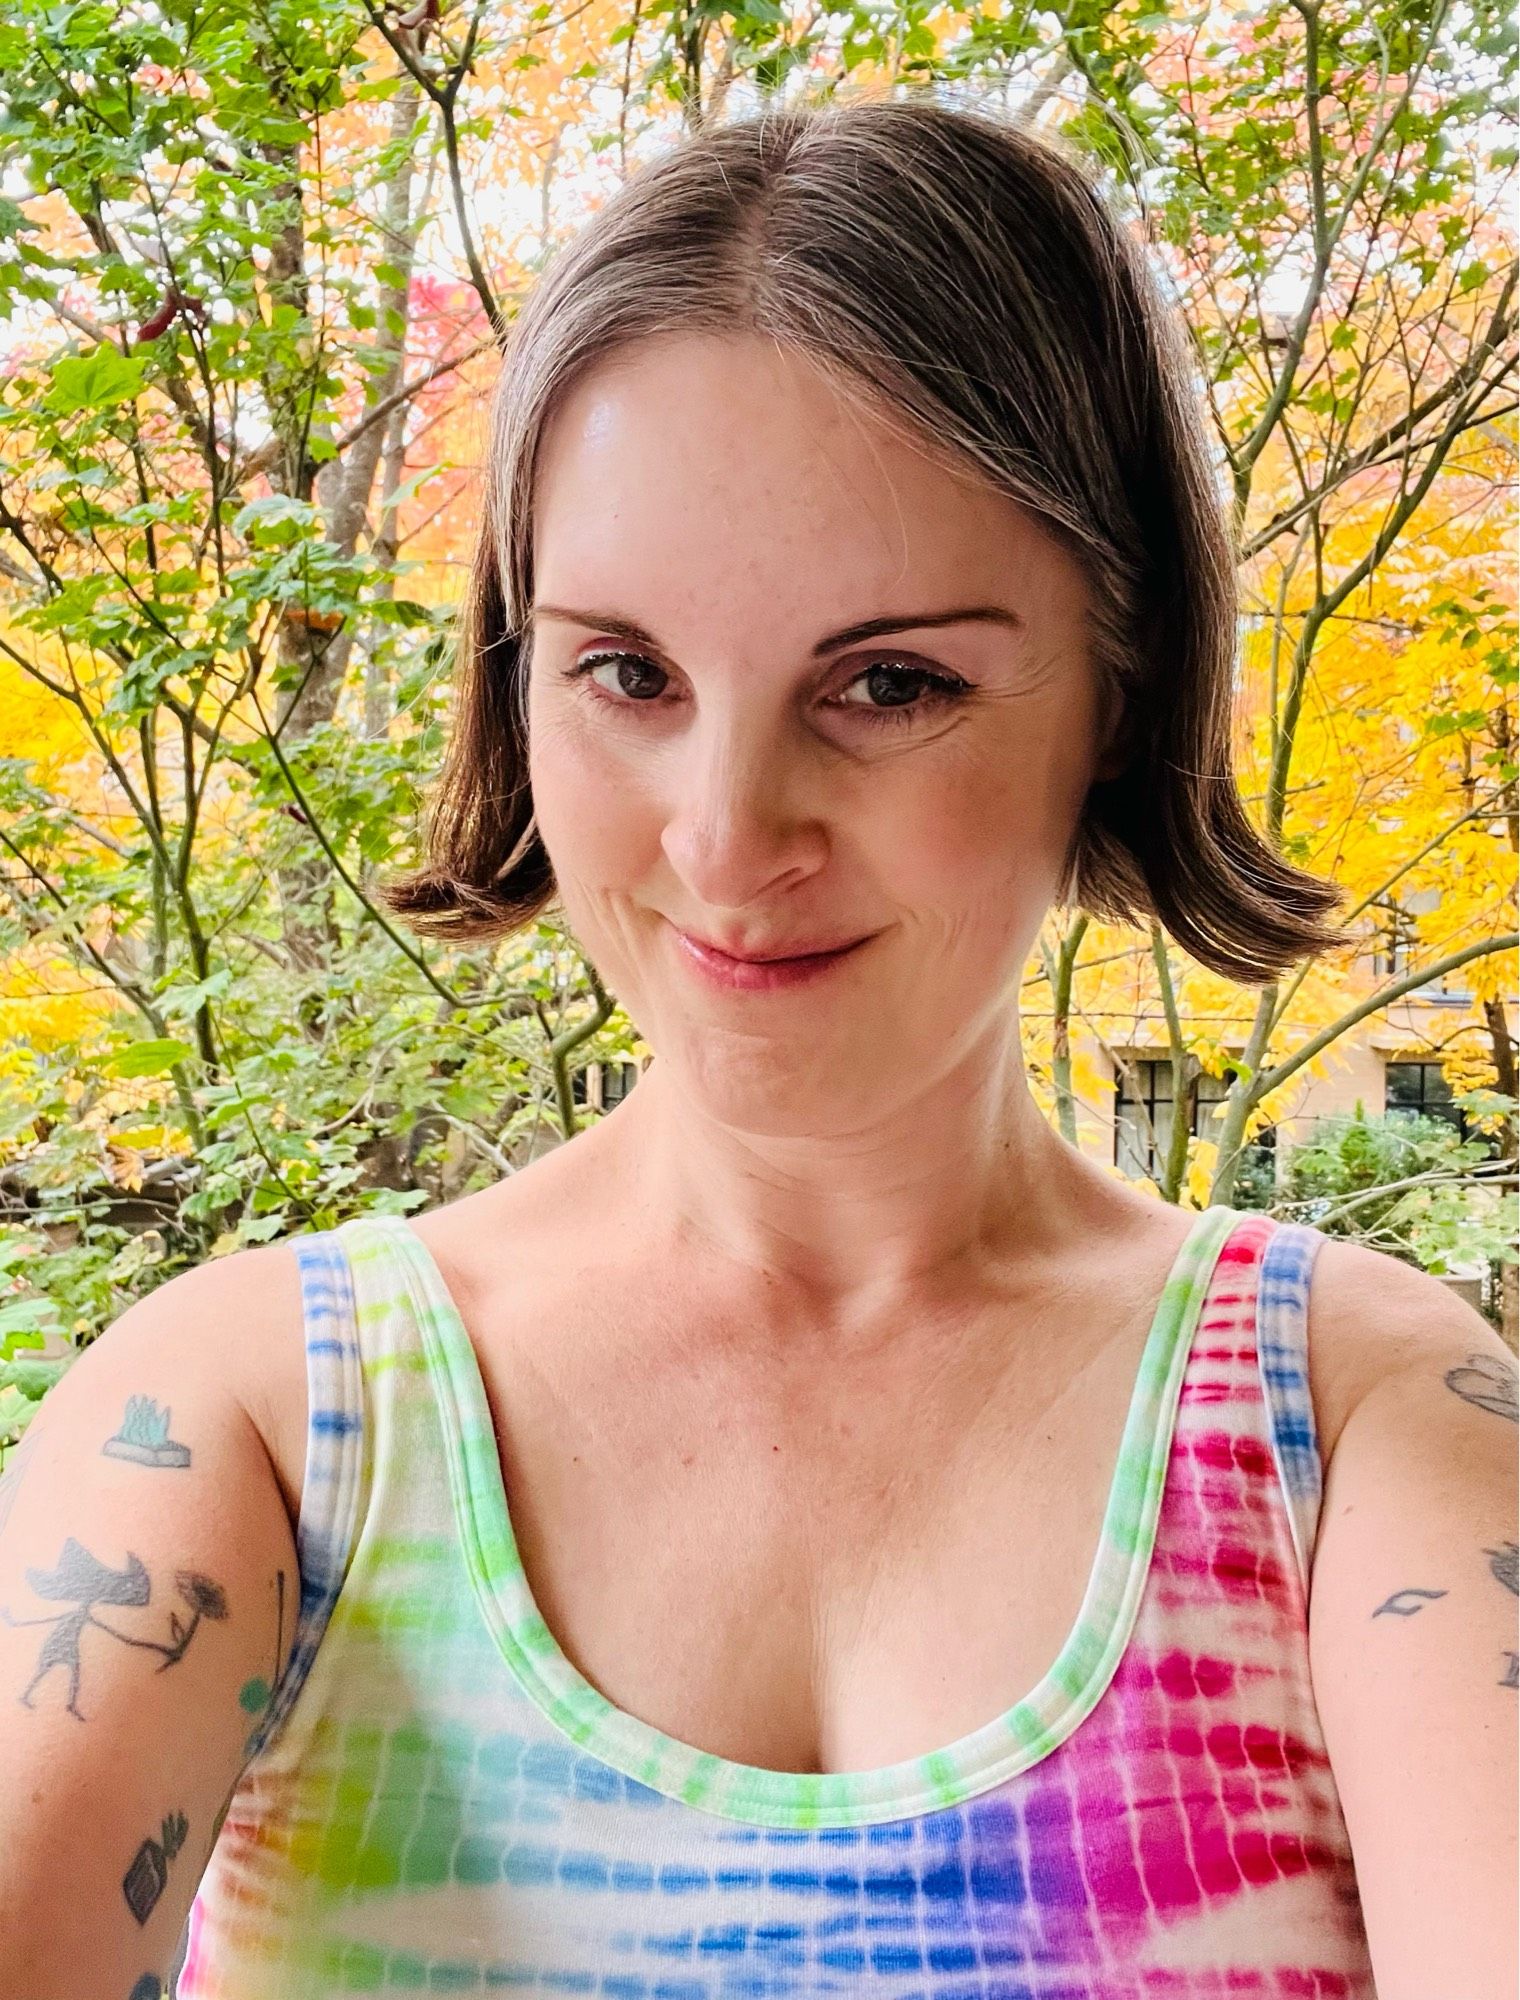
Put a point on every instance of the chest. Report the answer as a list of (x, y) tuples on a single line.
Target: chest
[(817, 1567)]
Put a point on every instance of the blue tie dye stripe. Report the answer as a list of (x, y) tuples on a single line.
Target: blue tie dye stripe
[(1282, 1349), (331, 1483)]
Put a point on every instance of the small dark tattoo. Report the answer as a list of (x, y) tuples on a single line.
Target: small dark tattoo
[(1511, 1678), (1488, 1383), (1503, 1562), (254, 1696), (144, 1881), (85, 1581), (149, 1987), (1406, 1610), (144, 1436)]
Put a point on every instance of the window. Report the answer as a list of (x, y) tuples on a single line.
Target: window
[(1143, 1119), (1392, 952), (1417, 1085), (602, 1084), (1395, 948)]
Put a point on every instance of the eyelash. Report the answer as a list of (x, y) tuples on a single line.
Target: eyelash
[(945, 688)]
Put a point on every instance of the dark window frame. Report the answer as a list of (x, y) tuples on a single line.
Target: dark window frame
[(1432, 1094), (1154, 1070)]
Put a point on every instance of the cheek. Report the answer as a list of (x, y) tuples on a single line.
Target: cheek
[(984, 845), (592, 815)]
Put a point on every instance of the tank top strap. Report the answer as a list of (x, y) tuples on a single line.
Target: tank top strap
[(366, 1390), (1282, 1350), (333, 1482)]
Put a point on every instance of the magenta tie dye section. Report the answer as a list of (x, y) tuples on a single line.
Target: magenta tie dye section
[(1196, 1804), (420, 1822)]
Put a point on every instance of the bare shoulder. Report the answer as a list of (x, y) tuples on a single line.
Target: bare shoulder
[(1374, 1319), (238, 1318)]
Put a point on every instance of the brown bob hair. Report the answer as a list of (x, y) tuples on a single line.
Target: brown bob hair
[(962, 278)]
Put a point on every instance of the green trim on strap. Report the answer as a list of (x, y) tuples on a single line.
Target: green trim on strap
[(1010, 1743)]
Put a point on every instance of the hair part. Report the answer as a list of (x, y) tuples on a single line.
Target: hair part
[(961, 278)]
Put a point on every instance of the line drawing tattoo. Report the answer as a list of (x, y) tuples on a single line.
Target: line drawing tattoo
[(144, 1436), (1407, 1610), (85, 1581), (255, 1695), (1503, 1562), (1488, 1383), (144, 1881)]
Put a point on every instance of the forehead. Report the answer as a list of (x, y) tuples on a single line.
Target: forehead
[(682, 463)]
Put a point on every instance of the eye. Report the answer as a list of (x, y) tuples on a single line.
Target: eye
[(908, 690), (941, 689), (638, 669)]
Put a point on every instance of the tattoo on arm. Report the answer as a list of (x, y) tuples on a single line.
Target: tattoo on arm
[(144, 1436), (1403, 1610), (1488, 1383), (1503, 1563), (85, 1581), (144, 1881), (149, 1987), (255, 1696)]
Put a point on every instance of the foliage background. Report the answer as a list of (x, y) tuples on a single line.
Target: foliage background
[(258, 262)]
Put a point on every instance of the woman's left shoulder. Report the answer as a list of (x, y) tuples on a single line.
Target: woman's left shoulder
[(1374, 1320)]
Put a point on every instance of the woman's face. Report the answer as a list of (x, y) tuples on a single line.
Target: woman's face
[(742, 773)]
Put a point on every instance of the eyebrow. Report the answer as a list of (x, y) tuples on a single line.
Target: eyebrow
[(852, 635)]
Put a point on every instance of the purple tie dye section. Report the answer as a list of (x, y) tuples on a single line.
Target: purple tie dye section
[(419, 1823)]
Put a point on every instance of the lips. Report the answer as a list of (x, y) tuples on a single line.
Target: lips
[(775, 954)]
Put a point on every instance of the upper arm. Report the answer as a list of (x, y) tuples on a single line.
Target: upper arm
[(148, 1593), (1412, 1630)]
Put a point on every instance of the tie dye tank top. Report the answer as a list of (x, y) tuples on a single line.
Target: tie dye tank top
[(437, 1800)]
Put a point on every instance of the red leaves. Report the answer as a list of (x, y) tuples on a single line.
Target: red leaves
[(173, 304)]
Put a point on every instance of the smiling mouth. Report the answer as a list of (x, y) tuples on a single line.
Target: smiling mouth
[(773, 957), (757, 975)]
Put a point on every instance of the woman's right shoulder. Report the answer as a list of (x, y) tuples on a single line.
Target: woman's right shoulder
[(240, 1319)]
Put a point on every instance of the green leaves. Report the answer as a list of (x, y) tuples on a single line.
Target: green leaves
[(277, 521), (102, 379), (149, 1058)]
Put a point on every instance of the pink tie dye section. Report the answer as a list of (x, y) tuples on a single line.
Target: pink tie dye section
[(1201, 1780)]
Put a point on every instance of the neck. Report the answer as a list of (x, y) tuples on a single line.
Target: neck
[(957, 1187)]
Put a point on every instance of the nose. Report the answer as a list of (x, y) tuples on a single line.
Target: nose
[(741, 813)]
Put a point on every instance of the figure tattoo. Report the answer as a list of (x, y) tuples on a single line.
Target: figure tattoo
[(85, 1581), (1407, 1610), (144, 1881), (144, 1436), (1487, 1382)]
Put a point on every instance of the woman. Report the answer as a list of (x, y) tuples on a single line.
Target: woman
[(904, 1584)]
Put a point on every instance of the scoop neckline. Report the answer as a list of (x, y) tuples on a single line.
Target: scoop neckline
[(1020, 1737)]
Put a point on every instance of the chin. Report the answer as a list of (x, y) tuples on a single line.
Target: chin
[(778, 1086)]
